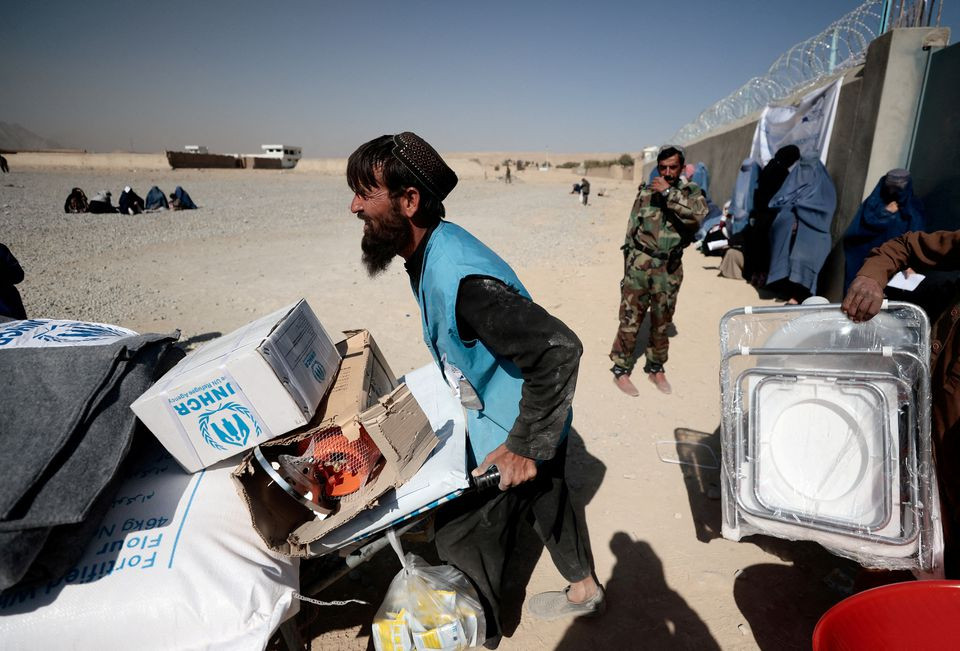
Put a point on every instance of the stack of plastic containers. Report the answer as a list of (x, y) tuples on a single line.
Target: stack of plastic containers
[(826, 432)]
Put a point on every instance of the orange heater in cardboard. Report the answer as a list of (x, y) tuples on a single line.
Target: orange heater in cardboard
[(330, 467), (342, 465), (368, 436)]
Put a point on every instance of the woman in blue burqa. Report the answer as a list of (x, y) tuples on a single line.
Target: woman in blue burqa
[(800, 233), (890, 211)]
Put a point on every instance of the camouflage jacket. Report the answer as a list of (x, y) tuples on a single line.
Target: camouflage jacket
[(649, 229)]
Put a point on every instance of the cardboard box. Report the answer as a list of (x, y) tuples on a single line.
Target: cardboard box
[(365, 394), (242, 389)]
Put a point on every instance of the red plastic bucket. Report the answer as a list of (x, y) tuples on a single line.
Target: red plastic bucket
[(912, 615)]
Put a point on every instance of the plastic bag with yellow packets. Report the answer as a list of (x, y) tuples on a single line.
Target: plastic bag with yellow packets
[(428, 607)]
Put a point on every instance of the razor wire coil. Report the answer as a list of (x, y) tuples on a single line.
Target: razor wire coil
[(839, 47)]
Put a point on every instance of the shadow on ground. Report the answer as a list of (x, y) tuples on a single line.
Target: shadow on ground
[(781, 602), (192, 342), (642, 611)]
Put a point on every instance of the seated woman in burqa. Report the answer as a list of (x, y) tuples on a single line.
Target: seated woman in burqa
[(890, 211), (130, 202), (102, 202), (755, 238), (180, 200), (76, 202), (800, 233), (741, 203), (156, 200)]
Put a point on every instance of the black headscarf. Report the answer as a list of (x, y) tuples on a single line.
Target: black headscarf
[(773, 175)]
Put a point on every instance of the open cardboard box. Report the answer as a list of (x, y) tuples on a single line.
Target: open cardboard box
[(365, 394)]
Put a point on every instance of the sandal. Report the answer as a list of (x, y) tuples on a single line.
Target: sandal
[(555, 605)]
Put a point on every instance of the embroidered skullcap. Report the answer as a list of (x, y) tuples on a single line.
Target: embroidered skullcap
[(425, 163)]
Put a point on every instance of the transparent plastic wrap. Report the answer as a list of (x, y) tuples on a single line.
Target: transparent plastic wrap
[(428, 607), (826, 432)]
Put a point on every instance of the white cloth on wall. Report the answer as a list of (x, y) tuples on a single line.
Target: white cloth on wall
[(808, 124)]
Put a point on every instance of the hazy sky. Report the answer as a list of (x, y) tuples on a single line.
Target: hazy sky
[(566, 76)]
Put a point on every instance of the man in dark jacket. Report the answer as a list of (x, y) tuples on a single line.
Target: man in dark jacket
[(514, 366), (923, 251)]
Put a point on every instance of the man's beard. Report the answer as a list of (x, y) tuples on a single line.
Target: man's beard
[(383, 240)]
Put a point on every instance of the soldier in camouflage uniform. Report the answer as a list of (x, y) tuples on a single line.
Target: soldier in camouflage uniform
[(665, 215)]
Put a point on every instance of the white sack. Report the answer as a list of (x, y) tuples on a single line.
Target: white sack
[(174, 565)]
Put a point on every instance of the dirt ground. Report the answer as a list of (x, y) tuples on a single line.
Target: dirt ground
[(261, 240)]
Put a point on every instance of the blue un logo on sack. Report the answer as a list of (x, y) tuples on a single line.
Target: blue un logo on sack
[(78, 332), (319, 373), (229, 424)]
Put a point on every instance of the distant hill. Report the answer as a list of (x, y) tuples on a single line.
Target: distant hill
[(15, 137)]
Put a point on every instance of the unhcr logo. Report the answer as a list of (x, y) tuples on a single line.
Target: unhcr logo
[(319, 373), (78, 332), (60, 332), (205, 399), (20, 328), (223, 423), (228, 425)]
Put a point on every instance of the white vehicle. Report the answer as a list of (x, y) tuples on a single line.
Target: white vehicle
[(288, 154)]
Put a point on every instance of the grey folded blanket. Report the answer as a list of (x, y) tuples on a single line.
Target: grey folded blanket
[(65, 427)]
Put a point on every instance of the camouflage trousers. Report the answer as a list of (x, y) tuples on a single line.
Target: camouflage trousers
[(646, 285)]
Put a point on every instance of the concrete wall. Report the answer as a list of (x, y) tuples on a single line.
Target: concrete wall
[(89, 161), (465, 168), (899, 105), (872, 133), (880, 135), (935, 161), (618, 172), (322, 165)]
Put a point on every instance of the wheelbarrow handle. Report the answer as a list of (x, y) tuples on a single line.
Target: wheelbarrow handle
[(487, 480)]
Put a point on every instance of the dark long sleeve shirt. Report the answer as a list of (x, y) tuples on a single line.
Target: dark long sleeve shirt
[(542, 347), (923, 251)]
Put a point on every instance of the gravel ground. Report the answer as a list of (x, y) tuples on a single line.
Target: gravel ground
[(258, 241), (261, 240)]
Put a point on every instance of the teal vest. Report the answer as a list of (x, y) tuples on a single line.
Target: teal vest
[(491, 394)]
